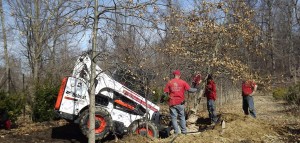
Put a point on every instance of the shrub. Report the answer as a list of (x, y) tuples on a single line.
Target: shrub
[(13, 103), (293, 95), (45, 98), (156, 94), (280, 93), (290, 94)]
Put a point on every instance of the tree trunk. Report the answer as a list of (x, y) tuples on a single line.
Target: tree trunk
[(291, 55), (5, 49), (93, 75), (270, 37)]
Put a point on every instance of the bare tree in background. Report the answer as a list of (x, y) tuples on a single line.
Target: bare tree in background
[(7, 67), (62, 31), (42, 24), (108, 13)]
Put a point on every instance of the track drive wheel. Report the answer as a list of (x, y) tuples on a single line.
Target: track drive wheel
[(103, 123), (140, 127)]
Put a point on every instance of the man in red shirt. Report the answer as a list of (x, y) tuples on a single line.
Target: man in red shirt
[(175, 89), (248, 89), (196, 80), (211, 95)]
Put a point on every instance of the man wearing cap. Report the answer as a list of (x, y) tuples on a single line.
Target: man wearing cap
[(175, 89), (211, 95), (249, 88)]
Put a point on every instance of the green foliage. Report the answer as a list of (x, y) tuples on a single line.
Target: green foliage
[(13, 103), (45, 98), (290, 94), (156, 94), (280, 93), (159, 96), (293, 95)]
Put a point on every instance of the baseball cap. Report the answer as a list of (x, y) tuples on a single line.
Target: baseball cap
[(176, 72)]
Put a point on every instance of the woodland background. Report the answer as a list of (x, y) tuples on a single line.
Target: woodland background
[(140, 42)]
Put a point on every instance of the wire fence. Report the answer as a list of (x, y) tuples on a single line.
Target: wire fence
[(226, 91)]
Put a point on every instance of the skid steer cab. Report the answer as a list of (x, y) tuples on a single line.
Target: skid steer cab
[(118, 109)]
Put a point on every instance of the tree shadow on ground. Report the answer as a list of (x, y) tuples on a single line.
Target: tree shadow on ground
[(291, 132), (72, 133), (289, 109), (69, 132)]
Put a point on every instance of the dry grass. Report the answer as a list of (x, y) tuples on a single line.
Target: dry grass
[(276, 122), (273, 124)]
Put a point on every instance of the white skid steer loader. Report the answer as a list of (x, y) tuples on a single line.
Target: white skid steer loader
[(118, 109)]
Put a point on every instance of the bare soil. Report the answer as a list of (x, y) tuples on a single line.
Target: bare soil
[(276, 122)]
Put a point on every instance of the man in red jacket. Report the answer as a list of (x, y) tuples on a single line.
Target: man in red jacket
[(196, 80), (175, 89), (211, 95), (248, 89)]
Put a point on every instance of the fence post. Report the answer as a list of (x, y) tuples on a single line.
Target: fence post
[(221, 100)]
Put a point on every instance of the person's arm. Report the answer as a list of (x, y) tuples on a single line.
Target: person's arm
[(213, 87), (192, 90), (167, 88), (254, 89), (209, 86), (214, 90), (188, 88), (200, 79)]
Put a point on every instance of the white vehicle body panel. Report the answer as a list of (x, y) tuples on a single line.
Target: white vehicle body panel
[(76, 97)]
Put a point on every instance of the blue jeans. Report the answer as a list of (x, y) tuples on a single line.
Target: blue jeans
[(211, 110), (248, 106), (178, 110)]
